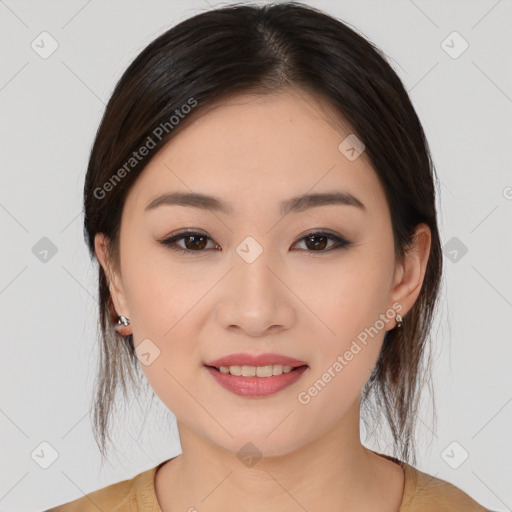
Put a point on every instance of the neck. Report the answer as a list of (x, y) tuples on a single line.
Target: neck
[(333, 472)]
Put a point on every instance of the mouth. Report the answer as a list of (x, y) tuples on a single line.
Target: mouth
[(256, 382)]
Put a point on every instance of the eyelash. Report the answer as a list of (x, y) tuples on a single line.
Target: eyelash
[(341, 243)]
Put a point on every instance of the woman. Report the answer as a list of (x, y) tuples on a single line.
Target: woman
[(260, 198)]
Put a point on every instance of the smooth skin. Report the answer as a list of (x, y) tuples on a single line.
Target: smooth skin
[(304, 300)]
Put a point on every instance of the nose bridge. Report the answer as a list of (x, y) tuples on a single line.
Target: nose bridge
[(255, 299), (254, 280)]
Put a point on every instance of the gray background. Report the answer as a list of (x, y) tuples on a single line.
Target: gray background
[(50, 109)]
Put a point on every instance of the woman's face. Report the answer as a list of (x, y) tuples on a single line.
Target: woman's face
[(256, 284)]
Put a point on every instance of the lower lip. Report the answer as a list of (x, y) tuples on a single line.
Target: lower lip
[(256, 386)]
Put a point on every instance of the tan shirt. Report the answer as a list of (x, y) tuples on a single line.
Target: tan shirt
[(422, 493)]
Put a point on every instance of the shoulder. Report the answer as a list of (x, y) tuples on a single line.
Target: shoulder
[(130, 495), (424, 492)]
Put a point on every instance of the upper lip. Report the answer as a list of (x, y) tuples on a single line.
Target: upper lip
[(242, 359)]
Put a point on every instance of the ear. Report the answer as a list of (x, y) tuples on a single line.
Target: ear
[(114, 280), (410, 275)]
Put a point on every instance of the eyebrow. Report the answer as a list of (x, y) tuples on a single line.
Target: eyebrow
[(295, 204)]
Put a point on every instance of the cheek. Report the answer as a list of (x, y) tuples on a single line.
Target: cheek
[(348, 297), (159, 293), (165, 309), (344, 361), (351, 304)]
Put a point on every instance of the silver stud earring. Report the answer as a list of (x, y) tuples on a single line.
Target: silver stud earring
[(398, 319), (122, 322)]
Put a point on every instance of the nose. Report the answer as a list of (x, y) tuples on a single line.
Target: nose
[(255, 298)]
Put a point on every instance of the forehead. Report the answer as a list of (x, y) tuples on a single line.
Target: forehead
[(251, 147)]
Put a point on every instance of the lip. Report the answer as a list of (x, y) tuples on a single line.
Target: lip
[(245, 359), (256, 387)]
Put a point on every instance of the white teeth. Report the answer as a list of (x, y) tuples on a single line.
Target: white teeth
[(256, 371)]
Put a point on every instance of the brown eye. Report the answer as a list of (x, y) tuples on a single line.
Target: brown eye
[(318, 241), (193, 242), (314, 242), (196, 241)]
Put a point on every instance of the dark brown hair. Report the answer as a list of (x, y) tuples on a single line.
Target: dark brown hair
[(246, 48)]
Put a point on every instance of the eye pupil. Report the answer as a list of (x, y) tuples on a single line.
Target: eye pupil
[(317, 245), (193, 239)]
